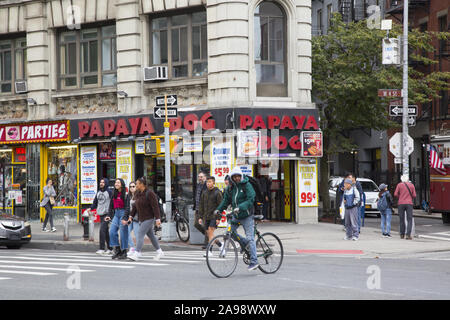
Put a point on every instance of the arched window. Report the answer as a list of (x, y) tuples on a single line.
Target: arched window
[(270, 50)]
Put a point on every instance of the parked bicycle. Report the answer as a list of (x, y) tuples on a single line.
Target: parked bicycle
[(181, 223), (222, 252)]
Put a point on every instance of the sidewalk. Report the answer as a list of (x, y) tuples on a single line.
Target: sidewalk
[(321, 238)]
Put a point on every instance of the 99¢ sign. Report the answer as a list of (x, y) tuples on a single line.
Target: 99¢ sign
[(307, 183)]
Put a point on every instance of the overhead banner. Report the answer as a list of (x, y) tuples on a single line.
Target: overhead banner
[(88, 173), (52, 131), (308, 189)]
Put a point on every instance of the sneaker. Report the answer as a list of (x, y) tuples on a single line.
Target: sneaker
[(388, 235), (159, 254), (45, 230), (211, 254), (253, 266), (408, 238), (224, 252), (100, 252), (355, 238), (108, 253), (135, 256), (53, 229), (347, 238), (384, 235)]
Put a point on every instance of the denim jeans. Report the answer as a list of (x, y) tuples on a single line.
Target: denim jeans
[(117, 226), (386, 216), (249, 228), (133, 226), (48, 216)]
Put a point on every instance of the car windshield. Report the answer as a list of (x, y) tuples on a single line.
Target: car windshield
[(369, 186)]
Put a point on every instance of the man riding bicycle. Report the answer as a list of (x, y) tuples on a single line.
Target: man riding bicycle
[(241, 195)]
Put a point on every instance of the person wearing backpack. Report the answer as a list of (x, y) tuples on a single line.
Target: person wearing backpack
[(406, 193), (351, 198), (241, 195), (384, 205)]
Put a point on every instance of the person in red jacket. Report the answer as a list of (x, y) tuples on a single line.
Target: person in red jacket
[(406, 193)]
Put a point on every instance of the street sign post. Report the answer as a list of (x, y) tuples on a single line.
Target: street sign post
[(397, 110), (172, 100), (389, 93), (160, 113), (395, 145)]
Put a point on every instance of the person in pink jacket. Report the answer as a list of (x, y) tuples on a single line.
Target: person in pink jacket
[(406, 193)]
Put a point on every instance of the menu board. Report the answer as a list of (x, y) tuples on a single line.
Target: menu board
[(308, 193), (88, 172), (312, 144), (221, 158)]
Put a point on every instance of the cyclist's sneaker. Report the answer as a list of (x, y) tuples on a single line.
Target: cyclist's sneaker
[(159, 254), (222, 250), (210, 253), (253, 266)]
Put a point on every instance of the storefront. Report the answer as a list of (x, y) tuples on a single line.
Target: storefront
[(263, 142), (29, 154)]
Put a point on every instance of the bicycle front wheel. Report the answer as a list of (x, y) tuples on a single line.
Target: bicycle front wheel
[(221, 256), (183, 229), (269, 251)]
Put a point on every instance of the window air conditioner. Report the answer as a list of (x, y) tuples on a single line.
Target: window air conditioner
[(155, 73), (21, 86)]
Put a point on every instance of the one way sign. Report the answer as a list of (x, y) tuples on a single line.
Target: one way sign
[(398, 110), (172, 100), (160, 113)]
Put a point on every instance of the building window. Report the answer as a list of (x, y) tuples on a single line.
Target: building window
[(319, 21), (180, 43), (13, 56), (88, 58), (270, 50), (329, 12)]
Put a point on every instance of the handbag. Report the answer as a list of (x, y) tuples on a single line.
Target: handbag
[(52, 201)]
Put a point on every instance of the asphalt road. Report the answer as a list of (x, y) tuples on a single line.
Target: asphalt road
[(47, 275)]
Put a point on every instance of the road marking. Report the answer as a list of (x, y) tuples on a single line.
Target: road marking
[(145, 257), (75, 261), (330, 251), (28, 272), (1, 278), (433, 237), (67, 264), (46, 268)]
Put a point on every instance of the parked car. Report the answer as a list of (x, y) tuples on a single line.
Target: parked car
[(369, 187), (14, 231)]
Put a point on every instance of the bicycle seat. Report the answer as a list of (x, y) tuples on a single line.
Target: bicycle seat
[(258, 217)]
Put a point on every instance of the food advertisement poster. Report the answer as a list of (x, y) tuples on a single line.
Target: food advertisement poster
[(124, 163), (312, 144), (308, 192), (88, 171), (248, 143), (221, 158)]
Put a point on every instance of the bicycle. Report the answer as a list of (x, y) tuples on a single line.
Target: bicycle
[(181, 223), (222, 252)]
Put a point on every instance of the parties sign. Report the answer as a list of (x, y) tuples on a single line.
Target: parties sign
[(53, 131), (312, 144), (88, 173)]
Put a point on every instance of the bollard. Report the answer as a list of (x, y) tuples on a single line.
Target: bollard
[(91, 226), (66, 226)]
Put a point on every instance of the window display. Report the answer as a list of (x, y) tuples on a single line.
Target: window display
[(62, 169)]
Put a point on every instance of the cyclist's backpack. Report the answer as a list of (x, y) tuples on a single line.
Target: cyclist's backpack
[(382, 202), (259, 197)]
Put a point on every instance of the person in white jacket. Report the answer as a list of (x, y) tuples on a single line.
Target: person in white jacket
[(351, 200)]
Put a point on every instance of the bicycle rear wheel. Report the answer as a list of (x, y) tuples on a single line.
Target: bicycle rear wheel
[(183, 229), (221, 259), (269, 251)]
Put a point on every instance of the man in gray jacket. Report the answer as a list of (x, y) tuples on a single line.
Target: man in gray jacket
[(101, 203)]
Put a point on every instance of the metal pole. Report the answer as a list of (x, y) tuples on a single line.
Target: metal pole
[(167, 165), (91, 226), (405, 155), (66, 226)]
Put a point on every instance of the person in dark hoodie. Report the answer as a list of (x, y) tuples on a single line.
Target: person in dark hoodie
[(117, 209), (101, 203)]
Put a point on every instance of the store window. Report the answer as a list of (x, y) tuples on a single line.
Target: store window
[(62, 169), (270, 50)]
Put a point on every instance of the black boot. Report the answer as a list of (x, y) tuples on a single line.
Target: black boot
[(123, 254), (116, 252)]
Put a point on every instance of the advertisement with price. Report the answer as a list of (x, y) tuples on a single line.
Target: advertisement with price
[(221, 158), (124, 163), (88, 170), (308, 191)]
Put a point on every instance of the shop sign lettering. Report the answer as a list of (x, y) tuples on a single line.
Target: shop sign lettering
[(35, 132)]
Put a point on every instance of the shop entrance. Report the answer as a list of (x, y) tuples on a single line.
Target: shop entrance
[(13, 195)]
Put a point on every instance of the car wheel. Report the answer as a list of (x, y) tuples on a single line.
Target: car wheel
[(14, 246)]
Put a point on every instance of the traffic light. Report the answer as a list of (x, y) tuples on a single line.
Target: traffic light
[(391, 51), (154, 147)]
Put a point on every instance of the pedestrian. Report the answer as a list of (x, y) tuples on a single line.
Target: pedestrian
[(384, 204), (209, 201), (362, 201), (101, 204), (405, 192), (200, 188), (265, 183), (134, 224), (351, 198), (48, 202), (117, 209), (241, 196), (147, 207)]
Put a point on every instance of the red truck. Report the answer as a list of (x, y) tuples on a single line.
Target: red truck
[(440, 183)]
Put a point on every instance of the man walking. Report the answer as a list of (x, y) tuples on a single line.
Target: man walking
[(265, 183), (406, 193), (201, 187), (101, 203)]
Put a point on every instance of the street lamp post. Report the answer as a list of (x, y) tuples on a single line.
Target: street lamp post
[(405, 155)]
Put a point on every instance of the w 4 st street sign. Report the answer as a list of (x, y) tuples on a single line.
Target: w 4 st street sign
[(397, 110)]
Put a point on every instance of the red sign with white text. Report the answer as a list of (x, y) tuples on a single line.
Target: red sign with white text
[(35, 132)]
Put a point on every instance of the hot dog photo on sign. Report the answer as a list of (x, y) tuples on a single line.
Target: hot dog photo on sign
[(312, 144)]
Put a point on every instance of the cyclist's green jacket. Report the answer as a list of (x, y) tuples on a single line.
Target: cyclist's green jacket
[(241, 195)]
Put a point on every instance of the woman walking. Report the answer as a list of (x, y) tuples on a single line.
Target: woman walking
[(384, 204), (48, 202), (146, 205), (134, 224), (117, 209)]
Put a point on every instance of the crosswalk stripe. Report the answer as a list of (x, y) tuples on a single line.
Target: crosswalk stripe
[(45, 268), (433, 237), (3, 278), (75, 261), (28, 272), (66, 263)]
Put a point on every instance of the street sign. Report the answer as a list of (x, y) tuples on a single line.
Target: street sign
[(160, 113), (172, 100), (395, 144), (397, 110), (397, 160), (412, 121), (388, 93)]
